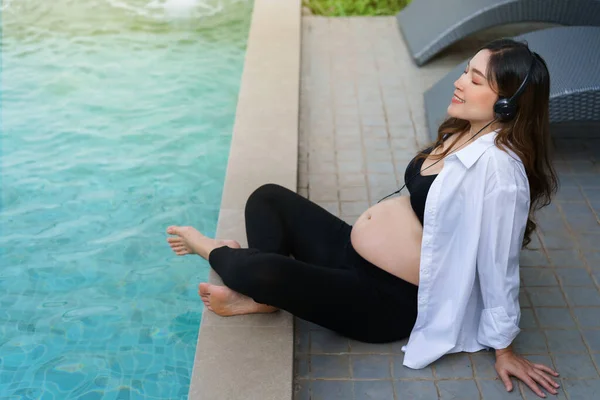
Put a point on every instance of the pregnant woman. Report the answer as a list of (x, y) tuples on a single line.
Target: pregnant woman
[(440, 266)]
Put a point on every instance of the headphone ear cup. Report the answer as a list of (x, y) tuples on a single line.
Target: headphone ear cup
[(504, 110)]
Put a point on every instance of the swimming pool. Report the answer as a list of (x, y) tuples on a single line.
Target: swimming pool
[(116, 122)]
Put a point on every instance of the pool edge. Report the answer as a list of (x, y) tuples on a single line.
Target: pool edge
[(251, 357)]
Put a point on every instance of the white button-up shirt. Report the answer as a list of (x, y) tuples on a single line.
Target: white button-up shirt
[(475, 217)]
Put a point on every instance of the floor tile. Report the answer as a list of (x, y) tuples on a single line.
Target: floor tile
[(301, 366), (589, 241), (322, 366), (528, 319), (371, 366), (301, 340), (483, 364), (582, 296), (397, 346), (582, 389), (588, 317), (565, 341), (331, 390), (592, 338), (575, 366), (570, 193), (402, 372), (592, 258), (574, 277), (558, 240), (566, 257), (373, 390), (304, 326), (533, 258), (357, 347), (546, 296), (415, 390), (554, 317), (326, 341), (524, 299), (453, 366), (530, 342), (495, 390), (459, 390), (302, 390), (538, 276)]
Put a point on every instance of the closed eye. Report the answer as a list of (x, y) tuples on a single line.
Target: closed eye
[(473, 82)]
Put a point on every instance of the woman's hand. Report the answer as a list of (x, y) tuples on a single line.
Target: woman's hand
[(508, 363)]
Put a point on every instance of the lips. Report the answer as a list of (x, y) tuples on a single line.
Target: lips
[(456, 99)]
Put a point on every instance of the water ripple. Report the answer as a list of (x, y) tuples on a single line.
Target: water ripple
[(116, 122)]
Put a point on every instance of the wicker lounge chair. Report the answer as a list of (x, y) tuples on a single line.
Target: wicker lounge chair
[(429, 26)]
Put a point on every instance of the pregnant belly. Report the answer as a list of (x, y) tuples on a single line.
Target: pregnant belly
[(389, 236)]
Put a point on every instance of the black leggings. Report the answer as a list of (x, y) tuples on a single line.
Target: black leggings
[(326, 282)]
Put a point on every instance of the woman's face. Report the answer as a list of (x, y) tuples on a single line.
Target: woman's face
[(473, 98)]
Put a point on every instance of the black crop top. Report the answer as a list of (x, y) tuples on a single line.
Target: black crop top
[(418, 185)]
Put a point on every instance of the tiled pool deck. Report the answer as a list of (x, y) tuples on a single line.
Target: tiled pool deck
[(361, 121)]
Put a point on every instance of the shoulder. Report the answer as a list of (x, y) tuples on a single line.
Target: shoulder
[(503, 170)]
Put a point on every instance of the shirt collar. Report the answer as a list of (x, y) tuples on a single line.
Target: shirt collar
[(469, 154)]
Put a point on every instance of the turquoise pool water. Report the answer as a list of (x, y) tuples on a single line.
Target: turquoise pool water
[(116, 120)]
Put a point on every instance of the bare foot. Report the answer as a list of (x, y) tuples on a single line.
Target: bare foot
[(226, 302), (188, 240)]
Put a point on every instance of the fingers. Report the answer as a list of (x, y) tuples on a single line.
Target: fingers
[(532, 385), (506, 380), (545, 369), (543, 380), (548, 378)]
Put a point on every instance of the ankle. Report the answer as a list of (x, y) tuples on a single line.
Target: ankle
[(210, 249)]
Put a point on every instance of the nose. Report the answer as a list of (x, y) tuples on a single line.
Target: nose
[(458, 83)]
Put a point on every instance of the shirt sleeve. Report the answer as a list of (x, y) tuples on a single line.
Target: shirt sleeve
[(504, 218)]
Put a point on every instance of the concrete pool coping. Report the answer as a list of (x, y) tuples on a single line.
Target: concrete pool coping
[(251, 357)]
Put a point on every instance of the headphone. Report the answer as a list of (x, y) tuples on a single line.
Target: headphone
[(505, 110)]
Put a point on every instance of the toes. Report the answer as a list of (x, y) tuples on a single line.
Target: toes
[(173, 230), (204, 289)]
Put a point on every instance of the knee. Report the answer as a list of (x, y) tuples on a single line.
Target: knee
[(263, 194)]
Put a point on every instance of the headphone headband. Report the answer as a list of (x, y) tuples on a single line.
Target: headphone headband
[(506, 108), (521, 88)]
